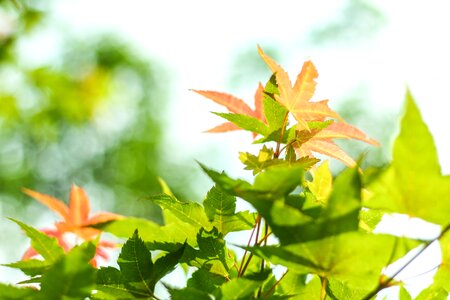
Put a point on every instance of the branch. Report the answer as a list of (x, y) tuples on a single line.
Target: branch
[(385, 283), (242, 268)]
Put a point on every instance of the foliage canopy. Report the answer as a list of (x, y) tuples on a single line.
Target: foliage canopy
[(323, 226)]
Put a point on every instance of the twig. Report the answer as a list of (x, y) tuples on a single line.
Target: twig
[(246, 264), (241, 270), (263, 262), (287, 145), (270, 291), (423, 273), (264, 239), (251, 254), (385, 283), (323, 292), (277, 151)]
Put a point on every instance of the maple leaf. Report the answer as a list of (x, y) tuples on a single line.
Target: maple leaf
[(100, 251), (235, 105), (76, 215), (30, 252), (320, 140), (297, 98)]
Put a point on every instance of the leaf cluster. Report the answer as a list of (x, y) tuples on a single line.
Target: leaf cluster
[(320, 228)]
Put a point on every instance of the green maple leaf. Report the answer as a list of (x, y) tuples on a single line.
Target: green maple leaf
[(355, 258), (138, 274), (413, 184), (10, 292), (72, 276), (442, 276), (45, 245), (220, 208)]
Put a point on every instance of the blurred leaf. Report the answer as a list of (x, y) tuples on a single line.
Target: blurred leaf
[(339, 290), (31, 267), (45, 245), (432, 292), (258, 163), (242, 287), (8, 110), (31, 18), (403, 294), (311, 290), (10, 292), (71, 277), (275, 182), (189, 212), (292, 222), (442, 276), (188, 293), (76, 217), (411, 180), (357, 20), (354, 257), (206, 281), (369, 219), (322, 183), (243, 220), (291, 284)]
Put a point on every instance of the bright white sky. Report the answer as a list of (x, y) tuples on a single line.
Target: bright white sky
[(197, 40)]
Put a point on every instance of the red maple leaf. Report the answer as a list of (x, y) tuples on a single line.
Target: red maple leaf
[(235, 105), (76, 217)]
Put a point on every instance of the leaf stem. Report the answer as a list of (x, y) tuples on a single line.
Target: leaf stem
[(323, 292), (269, 292), (385, 283), (264, 238), (263, 262), (283, 128), (423, 273), (246, 264), (287, 145), (241, 267)]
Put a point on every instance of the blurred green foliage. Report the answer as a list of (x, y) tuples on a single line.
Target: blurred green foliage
[(357, 20), (92, 114)]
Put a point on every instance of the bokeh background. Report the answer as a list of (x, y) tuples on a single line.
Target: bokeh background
[(97, 92)]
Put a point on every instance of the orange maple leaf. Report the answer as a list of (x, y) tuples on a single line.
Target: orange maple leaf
[(297, 98), (75, 216), (321, 141), (100, 251), (235, 105)]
